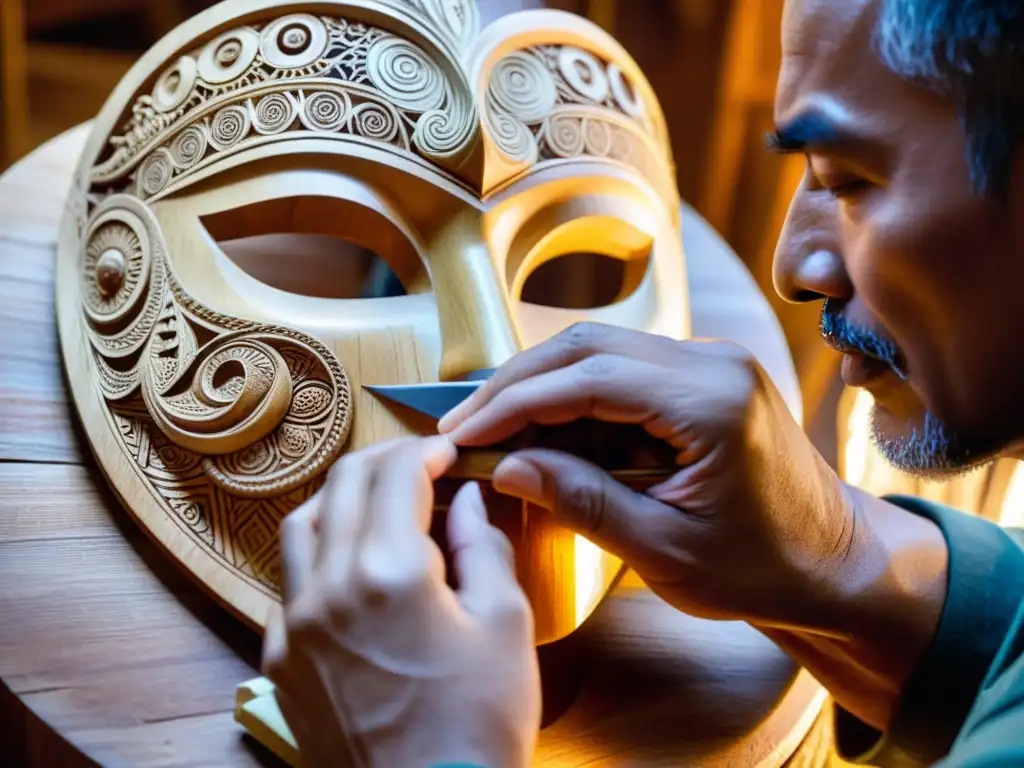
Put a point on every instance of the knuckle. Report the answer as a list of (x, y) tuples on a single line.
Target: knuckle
[(584, 500), (597, 369), (585, 336), (383, 580)]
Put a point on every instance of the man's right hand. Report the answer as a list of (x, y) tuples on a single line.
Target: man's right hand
[(754, 526)]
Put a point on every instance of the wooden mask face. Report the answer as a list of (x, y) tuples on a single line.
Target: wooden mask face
[(218, 360)]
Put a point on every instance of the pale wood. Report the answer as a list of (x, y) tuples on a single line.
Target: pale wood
[(214, 402), (92, 608)]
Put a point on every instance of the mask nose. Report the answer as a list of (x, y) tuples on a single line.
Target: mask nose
[(478, 330)]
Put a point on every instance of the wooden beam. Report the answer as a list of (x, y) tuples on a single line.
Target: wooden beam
[(15, 124)]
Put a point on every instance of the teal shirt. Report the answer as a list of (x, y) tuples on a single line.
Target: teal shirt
[(963, 706)]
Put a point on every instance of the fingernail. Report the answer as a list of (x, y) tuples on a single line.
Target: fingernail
[(471, 495), (519, 478), (451, 419)]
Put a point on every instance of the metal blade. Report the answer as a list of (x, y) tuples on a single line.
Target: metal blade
[(433, 399)]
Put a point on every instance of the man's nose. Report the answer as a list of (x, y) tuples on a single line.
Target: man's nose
[(808, 263), (478, 329)]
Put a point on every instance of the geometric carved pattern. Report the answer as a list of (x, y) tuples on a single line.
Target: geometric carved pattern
[(298, 75), (231, 423), (239, 531)]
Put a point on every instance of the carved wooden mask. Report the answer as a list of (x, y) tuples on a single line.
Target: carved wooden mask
[(219, 371)]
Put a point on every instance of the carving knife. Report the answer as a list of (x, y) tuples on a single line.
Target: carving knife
[(627, 452)]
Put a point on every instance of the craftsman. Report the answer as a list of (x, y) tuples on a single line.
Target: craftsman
[(909, 227)]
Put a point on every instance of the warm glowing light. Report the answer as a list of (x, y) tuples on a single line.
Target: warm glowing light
[(589, 564), (1011, 512), (858, 443)]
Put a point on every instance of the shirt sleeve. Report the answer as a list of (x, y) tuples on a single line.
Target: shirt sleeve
[(983, 559)]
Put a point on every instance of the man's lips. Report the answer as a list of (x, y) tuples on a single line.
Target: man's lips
[(859, 370)]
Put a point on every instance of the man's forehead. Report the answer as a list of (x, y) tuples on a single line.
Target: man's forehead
[(827, 54), (827, 27)]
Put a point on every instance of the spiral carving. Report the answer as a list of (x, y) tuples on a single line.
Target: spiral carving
[(375, 122), (325, 111), (583, 73), (273, 113), (597, 136), (512, 137), (234, 393), (440, 133), (155, 173), (175, 85), (230, 125), (405, 75), (522, 86), (564, 136), (189, 146)]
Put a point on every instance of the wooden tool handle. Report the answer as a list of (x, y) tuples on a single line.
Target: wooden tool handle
[(479, 465)]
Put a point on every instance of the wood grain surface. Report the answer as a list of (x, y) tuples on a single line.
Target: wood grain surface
[(110, 655)]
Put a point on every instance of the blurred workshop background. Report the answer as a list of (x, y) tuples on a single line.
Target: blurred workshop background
[(713, 64)]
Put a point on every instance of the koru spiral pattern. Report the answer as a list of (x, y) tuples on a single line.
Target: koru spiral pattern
[(301, 73), (230, 422), (551, 102)]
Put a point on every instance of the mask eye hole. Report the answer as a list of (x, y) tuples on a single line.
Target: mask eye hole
[(582, 262), (322, 247), (583, 281)]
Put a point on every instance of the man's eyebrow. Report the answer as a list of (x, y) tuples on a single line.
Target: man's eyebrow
[(803, 132)]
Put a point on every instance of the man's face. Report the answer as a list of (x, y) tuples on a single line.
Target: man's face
[(919, 273)]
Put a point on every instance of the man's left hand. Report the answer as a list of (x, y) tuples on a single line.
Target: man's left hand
[(376, 660)]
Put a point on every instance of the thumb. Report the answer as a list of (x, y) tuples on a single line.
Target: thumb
[(484, 559), (588, 501)]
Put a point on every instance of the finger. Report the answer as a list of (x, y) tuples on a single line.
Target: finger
[(588, 501), (298, 549), (343, 503), (484, 559), (275, 644), (572, 345), (605, 387), (400, 504)]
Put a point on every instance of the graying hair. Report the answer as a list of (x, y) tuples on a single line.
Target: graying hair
[(973, 52)]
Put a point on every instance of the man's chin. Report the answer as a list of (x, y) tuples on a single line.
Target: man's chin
[(925, 447)]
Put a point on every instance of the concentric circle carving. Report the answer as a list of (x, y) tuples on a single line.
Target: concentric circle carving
[(583, 73), (230, 125), (293, 41), (175, 85), (521, 85), (405, 75), (189, 146), (228, 56), (116, 267), (624, 93), (273, 113)]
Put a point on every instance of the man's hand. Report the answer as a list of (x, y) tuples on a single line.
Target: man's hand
[(376, 661), (754, 526), (753, 520)]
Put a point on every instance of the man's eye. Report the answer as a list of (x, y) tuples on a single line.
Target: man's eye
[(849, 189)]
